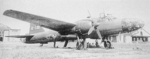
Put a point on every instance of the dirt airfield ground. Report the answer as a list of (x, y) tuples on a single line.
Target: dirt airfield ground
[(33, 51)]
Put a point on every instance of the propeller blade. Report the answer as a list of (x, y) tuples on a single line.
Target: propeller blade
[(99, 34), (91, 30)]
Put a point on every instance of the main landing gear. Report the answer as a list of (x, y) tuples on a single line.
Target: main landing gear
[(81, 44), (81, 39), (107, 43)]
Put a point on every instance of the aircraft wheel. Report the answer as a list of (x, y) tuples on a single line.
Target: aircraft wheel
[(79, 46), (107, 44)]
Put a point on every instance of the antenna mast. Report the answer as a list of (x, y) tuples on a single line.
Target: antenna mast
[(89, 14)]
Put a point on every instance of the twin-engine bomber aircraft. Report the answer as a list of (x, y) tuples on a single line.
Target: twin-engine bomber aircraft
[(93, 28)]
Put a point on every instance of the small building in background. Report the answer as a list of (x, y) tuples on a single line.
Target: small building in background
[(2, 29), (11, 32), (6, 31), (133, 37)]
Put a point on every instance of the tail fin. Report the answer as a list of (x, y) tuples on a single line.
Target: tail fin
[(35, 29)]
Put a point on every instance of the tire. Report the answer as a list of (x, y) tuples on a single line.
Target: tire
[(107, 44)]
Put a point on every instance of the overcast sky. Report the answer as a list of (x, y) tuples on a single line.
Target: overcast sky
[(73, 10)]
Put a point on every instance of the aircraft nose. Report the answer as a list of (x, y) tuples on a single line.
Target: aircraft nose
[(140, 23), (133, 24), (137, 23)]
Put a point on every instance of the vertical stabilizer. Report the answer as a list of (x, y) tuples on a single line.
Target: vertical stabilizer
[(35, 29)]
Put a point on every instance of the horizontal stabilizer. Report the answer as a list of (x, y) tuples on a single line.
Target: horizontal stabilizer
[(20, 36)]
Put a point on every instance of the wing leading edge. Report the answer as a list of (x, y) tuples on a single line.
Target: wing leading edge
[(42, 21)]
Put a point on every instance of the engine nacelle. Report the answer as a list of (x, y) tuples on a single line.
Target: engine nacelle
[(84, 25)]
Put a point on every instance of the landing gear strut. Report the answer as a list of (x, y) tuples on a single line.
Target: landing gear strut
[(54, 44), (66, 42), (81, 44), (81, 40)]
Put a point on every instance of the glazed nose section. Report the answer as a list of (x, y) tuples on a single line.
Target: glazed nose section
[(132, 24), (138, 23)]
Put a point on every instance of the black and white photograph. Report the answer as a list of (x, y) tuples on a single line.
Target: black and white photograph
[(74, 29)]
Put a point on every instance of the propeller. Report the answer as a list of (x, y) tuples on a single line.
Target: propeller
[(94, 28)]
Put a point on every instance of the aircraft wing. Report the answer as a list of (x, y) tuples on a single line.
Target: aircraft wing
[(50, 23), (20, 36)]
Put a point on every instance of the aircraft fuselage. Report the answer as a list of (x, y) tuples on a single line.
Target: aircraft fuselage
[(109, 27), (105, 28)]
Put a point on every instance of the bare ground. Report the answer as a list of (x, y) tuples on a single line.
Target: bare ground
[(33, 51)]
